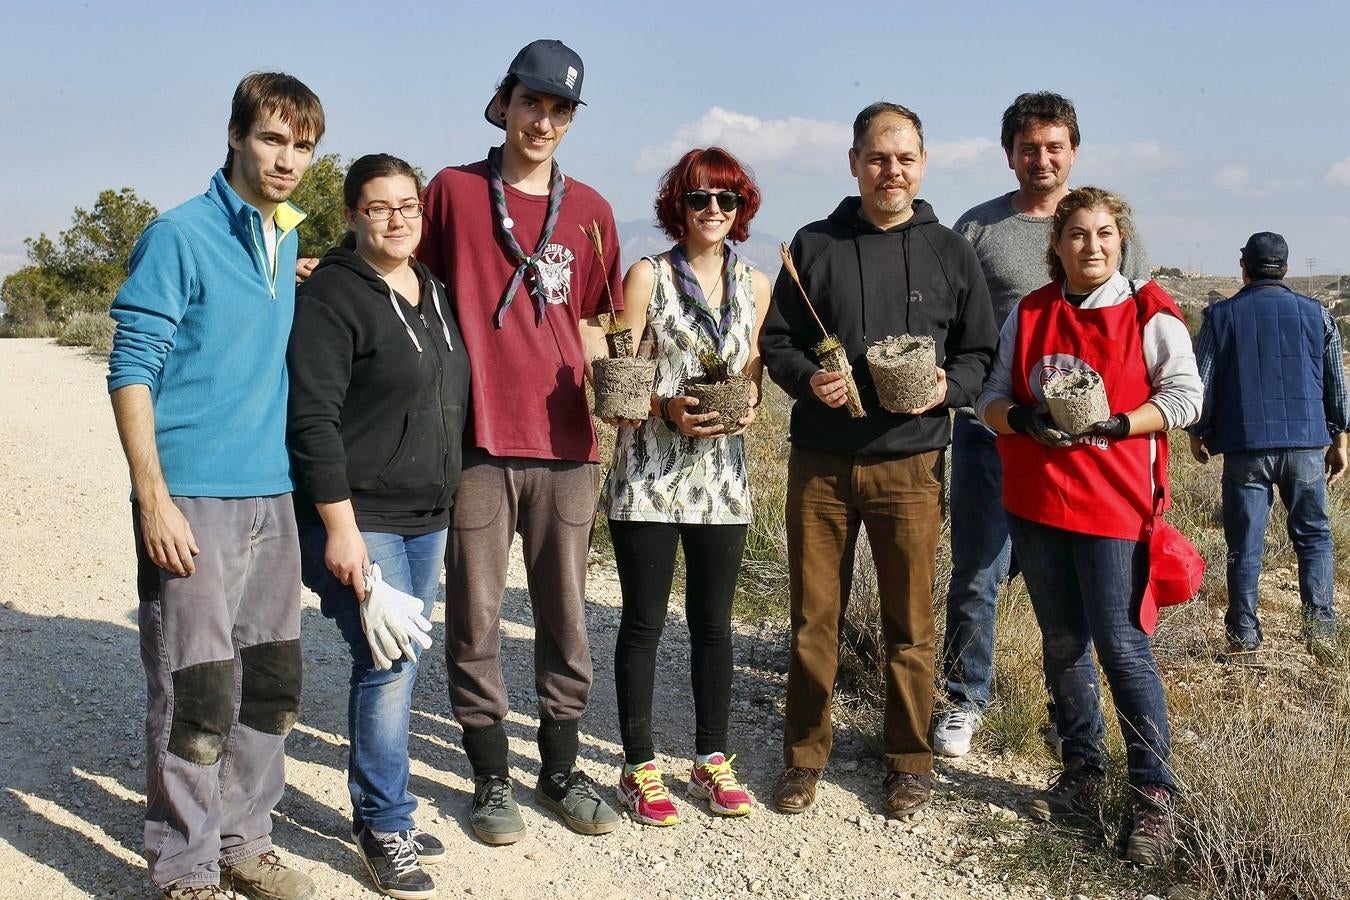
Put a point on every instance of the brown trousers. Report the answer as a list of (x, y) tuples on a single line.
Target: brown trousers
[(897, 499)]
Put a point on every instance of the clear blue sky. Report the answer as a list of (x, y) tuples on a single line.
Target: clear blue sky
[(1214, 119)]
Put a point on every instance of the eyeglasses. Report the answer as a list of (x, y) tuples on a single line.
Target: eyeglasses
[(385, 213), (727, 201)]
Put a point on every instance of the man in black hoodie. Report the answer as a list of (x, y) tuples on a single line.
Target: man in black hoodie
[(879, 266)]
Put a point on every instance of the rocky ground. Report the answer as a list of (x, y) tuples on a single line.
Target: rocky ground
[(71, 779)]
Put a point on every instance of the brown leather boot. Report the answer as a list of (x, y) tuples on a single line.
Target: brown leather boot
[(796, 789), (907, 793)]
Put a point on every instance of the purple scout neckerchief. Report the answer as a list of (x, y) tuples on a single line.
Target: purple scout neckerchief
[(557, 187), (688, 285)]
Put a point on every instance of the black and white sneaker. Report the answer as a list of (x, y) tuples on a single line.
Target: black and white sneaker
[(393, 865), (429, 848)]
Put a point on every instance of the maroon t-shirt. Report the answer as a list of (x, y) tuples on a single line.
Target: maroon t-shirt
[(527, 389)]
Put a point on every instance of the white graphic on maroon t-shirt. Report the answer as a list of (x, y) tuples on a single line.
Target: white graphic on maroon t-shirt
[(555, 272)]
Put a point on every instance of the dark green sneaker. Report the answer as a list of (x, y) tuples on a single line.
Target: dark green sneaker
[(495, 817), (574, 797)]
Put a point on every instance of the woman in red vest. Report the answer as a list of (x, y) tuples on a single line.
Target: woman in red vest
[(1078, 504)]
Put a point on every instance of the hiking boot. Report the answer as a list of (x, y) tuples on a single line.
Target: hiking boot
[(796, 789), (1238, 643), (428, 847), (715, 782), (196, 892), (574, 797), (954, 729), (1320, 640), (1071, 794), (644, 793), (1152, 835), (391, 860), (906, 794), (264, 877), (495, 817)]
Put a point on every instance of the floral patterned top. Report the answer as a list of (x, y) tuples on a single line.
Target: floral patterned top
[(660, 475)]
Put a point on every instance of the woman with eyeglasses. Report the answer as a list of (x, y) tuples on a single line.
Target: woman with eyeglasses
[(679, 477), (378, 395)]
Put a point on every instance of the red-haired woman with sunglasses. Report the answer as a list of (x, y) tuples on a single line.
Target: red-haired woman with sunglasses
[(680, 476)]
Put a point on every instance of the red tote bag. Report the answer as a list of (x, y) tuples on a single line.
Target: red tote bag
[(1175, 568)]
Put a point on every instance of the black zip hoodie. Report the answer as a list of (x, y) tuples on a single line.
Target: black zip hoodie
[(866, 284), (370, 417)]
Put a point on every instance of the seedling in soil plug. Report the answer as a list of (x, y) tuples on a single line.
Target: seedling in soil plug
[(623, 384), (1077, 399), (830, 351), (904, 369), (719, 391)]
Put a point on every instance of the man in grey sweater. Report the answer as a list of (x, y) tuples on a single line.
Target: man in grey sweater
[(1010, 234)]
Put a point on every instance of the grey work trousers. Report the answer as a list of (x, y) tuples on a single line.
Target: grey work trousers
[(221, 650), (551, 504)]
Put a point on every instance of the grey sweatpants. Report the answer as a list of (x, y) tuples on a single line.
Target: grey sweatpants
[(551, 504), (221, 650)]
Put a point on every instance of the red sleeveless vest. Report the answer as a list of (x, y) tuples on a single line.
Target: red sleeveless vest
[(1096, 486)]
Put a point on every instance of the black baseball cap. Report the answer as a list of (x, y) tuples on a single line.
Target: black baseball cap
[(548, 66), (1265, 250)]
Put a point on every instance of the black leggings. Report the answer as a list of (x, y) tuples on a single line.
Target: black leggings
[(645, 555)]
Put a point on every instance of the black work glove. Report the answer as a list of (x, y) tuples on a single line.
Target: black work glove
[(1035, 422), (1118, 426)]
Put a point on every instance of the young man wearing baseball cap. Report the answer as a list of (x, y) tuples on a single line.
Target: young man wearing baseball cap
[(505, 235)]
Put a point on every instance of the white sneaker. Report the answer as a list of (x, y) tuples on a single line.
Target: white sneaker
[(954, 729)]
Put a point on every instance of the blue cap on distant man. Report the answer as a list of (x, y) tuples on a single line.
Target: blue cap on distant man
[(1266, 250)]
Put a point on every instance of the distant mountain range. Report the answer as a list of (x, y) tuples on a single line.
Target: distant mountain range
[(639, 238)]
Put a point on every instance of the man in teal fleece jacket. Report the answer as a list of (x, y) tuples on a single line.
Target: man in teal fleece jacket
[(197, 378)]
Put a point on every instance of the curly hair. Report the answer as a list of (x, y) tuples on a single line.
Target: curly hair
[(1086, 198), (705, 167)]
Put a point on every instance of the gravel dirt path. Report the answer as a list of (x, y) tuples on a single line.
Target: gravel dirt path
[(71, 780)]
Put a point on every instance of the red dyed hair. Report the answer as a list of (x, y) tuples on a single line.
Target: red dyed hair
[(712, 167)]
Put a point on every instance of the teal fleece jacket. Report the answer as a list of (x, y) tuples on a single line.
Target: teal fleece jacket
[(203, 321)]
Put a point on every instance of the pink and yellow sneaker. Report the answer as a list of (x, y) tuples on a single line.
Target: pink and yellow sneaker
[(715, 782), (644, 793)]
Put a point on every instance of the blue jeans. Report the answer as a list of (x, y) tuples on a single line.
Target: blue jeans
[(980, 559), (1086, 591), (379, 701), (1249, 481)]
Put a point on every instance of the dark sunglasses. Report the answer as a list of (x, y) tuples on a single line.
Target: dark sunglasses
[(727, 201)]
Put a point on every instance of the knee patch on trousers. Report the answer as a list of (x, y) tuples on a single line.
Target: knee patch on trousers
[(270, 702), (203, 708)]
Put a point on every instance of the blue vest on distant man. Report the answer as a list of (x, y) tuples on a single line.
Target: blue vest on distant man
[(1267, 384)]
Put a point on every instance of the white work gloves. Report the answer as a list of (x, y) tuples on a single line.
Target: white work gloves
[(392, 621)]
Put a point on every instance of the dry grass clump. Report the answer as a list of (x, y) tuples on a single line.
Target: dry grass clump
[(763, 589), (43, 328), (88, 329), (1265, 803)]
